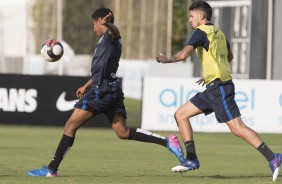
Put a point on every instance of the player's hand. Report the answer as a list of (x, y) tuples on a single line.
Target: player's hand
[(106, 19), (80, 92), (161, 58), (201, 81)]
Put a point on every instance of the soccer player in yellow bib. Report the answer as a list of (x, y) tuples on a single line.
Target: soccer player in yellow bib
[(214, 54)]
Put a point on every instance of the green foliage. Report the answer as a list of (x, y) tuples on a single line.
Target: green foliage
[(180, 26), (78, 25), (44, 15)]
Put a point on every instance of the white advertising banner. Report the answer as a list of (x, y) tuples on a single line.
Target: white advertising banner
[(132, 73), (259, 101)]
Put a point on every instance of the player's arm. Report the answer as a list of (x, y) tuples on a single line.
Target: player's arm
[(230, 54), (198, 38), (113, 29), (179, 56), (88, 84), (83, 89)]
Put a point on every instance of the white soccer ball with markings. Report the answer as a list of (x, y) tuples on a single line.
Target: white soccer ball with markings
[(52, 50)]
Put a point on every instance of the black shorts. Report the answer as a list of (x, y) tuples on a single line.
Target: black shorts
[(100, 101), (218, 98)]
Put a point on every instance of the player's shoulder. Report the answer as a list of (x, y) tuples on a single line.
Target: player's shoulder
[(207, 27), (198, 32), (108, 38), (106, 35)]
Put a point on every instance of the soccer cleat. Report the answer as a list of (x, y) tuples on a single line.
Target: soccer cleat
[(174, 146), (44, 171), (275, 165), (187, 165)]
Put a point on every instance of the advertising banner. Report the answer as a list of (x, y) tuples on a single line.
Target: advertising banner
[(41, 100), (259, 101)]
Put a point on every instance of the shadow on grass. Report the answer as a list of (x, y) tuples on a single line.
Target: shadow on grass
[(219, 177), (223, 177)]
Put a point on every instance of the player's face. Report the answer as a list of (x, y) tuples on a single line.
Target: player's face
[(195, 17), (97, 27)]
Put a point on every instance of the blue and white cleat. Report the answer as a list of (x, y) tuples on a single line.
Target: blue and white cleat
[(187, 165), (275, 165), (174, 146), (43, 172)]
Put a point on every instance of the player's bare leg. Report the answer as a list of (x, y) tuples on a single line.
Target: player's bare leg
[(75, 121), (239, 129), (77, 118), (182, 116), (119, 126)]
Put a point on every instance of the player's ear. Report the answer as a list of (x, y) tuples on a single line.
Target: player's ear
[(99, 20), (202, 15)]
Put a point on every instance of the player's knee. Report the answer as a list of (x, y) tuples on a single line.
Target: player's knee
[(179, 116), (176, 116), (122, 135), (235, 132), (238, 129)]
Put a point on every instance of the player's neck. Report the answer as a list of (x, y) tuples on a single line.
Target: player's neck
[(203, 22)]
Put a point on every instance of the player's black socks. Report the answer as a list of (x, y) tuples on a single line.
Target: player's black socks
[(146, 136), (267, 153), (63, 147), (190, 149)]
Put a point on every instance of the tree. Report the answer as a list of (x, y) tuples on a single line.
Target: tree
[(78, 28), (180, 30)]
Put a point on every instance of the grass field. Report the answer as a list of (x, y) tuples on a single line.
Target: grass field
[(99, 157)]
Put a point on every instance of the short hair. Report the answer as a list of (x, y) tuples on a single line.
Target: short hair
[(202, 6), (101, 13)]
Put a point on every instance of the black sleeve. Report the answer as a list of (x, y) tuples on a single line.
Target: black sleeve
[(198, 38), (227, 44), (107, 36)]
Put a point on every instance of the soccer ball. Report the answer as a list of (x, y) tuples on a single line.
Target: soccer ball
[(52, 50)]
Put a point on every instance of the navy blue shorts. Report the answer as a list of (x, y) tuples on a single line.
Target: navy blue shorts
[(218, 98), (100, 101)]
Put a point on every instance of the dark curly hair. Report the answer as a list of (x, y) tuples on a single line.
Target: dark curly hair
[(101, 13), (204, 7)]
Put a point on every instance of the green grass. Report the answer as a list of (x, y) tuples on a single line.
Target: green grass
[(99, 157)]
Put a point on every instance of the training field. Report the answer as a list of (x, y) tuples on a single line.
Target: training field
[(99, 157)]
